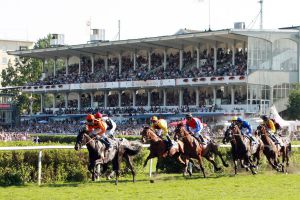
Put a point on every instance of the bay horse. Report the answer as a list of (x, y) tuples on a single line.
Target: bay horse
[(121, 148), (273, 151), (158, 148), (242, 149), (193, 149)]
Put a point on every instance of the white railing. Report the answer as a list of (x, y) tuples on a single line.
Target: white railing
[(40, 148)]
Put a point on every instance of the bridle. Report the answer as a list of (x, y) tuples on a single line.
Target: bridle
[(84, 134)]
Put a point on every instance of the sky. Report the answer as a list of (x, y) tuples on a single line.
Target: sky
[(34, 19)]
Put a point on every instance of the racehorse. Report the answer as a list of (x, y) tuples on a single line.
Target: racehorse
[(158, 148), (273, 151), (192, 149), (121, 148), (241, 149)]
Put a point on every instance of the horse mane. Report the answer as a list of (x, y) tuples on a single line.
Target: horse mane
[(180, 123)]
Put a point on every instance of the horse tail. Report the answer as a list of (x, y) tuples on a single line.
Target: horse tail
[(133, 148)]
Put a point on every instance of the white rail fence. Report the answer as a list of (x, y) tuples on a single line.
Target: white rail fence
[(41, 148)]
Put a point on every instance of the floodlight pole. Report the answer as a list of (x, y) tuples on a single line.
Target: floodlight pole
[(261, 14), (209, 15)]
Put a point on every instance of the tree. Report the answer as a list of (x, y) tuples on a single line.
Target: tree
[(25, 70), (293, 109)]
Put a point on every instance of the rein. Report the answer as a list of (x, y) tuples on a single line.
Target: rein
[(93, 138)]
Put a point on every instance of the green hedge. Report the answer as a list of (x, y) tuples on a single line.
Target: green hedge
[(71, 138), (19, 167)]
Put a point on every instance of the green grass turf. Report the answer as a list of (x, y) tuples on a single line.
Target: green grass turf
[(266, 185)]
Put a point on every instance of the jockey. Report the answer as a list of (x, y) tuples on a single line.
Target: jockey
[(100, 128), (245, 128), (111, 125), (269, 124), (89, 125), (194, 126), (161, 126)]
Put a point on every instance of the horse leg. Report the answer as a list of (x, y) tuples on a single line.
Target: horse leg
[(129, 163), (211, 160), (178, 158), (186, 169), (274, 165), (201, 165), (150, 156), (235, 162)]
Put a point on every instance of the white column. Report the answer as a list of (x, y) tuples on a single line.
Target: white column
[(134, 61), (54, 67), (271, 95), (106, 63), (207, 49), (165, 97), (119, 98), (133, 98), (42, 102), (214, 96), (149, 60), (93, 63), (149, 98), (180, 59), (180, 97), (120, 63), (79, 66), (105, 99), (54, 100), (79, 101), (40, 167), (197, 96), (43, 65), (233, 53), (66, 100), (67, 65), (92, 99), (165, 59), (198, 57), (215, 56), (232, 95)]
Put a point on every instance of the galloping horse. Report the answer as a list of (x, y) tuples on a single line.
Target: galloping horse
[(273, 151), (192, 149), (121, 148), (242, 149), (158, 147)]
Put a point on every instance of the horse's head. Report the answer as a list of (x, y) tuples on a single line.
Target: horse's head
[(179, 130), (148, 135), (80, 139), (228, 135), (261, 130)]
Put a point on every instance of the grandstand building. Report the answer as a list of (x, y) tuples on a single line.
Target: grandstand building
[(217, 72)]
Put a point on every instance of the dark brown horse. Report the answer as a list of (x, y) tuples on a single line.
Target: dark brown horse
[(273, 151), (192, 149), (158, 148), (242, 149), (121, 148)]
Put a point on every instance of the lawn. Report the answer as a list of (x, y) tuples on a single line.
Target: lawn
[(267, 185)]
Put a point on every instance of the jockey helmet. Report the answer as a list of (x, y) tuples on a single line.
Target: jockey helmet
[(239, 119), (154, 118), (90, 118), (189, 116), (98, 115), (234, 118), (264, 117)]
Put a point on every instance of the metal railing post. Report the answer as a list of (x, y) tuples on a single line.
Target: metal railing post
[(40, 168)]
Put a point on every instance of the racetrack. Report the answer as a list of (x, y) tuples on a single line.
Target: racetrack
[(266, 185)]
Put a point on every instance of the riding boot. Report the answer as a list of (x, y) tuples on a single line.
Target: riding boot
[(105, 142), (252, 139), (274, 139), (169, 142), (201, 139)]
